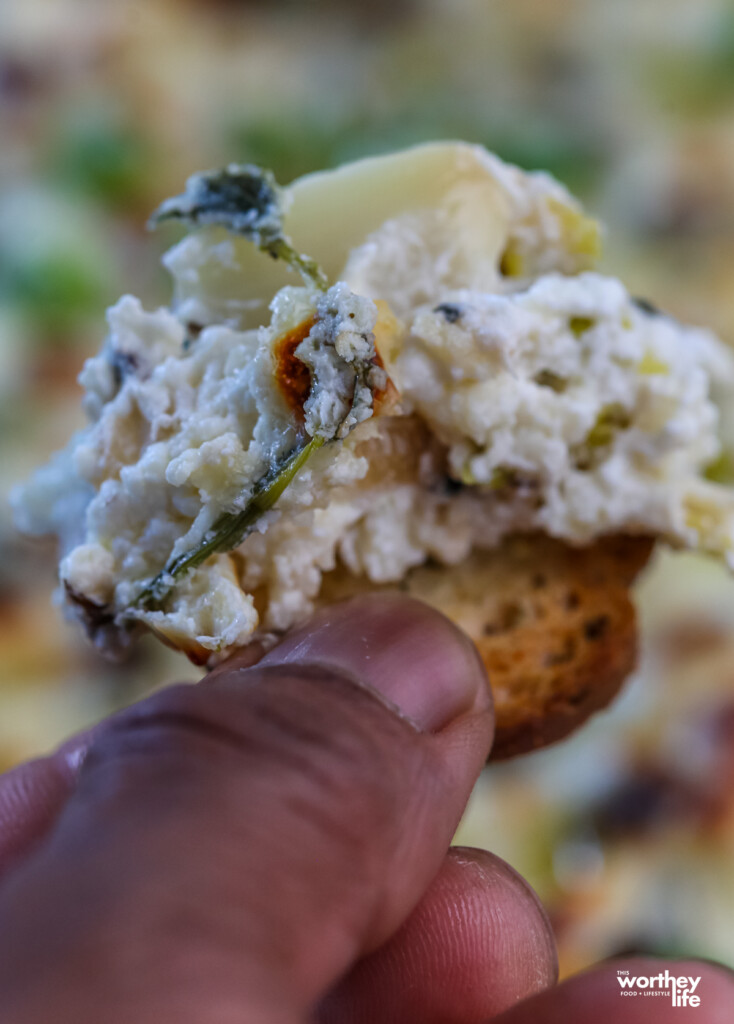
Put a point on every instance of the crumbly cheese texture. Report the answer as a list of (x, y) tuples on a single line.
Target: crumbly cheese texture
[(471, 376), (340, 339), (182, 430), (585, 412)]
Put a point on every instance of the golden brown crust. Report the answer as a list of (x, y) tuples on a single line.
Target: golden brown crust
[(555, 627)]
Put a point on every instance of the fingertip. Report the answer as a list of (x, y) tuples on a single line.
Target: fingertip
[(478, 942), (499, 886)]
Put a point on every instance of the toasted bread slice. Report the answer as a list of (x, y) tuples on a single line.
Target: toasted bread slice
[(554, 625)]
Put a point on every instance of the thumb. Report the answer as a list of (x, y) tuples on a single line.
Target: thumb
[(237, 845)]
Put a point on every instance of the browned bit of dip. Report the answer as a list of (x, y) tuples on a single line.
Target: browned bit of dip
[(292, 375)]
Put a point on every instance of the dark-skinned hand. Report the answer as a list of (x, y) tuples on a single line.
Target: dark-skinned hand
[(271, 845)]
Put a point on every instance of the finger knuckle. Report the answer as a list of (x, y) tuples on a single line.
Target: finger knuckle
[(310, 740), (341, 747)]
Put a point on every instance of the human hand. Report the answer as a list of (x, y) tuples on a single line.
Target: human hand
[(270, 846)]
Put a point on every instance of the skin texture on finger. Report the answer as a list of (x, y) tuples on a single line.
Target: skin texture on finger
[(477, 943), (32, 796), (595, 996), (236, 846)]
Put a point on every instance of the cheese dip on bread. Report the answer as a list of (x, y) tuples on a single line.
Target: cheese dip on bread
[(449, 371)]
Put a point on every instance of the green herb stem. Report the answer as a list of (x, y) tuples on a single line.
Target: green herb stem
[(231, 528)]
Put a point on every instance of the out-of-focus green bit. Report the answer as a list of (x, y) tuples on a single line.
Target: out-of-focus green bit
[(511, 262), (53, 292), (612, 418), (231, 528), (721, 469), (466, 475), (297, 142), (650, 365), (698, 78), (581, 233), (246, 200), (549, 379), (503, 478), (105, 161), (289, 145), (577, 160), (581, 324)]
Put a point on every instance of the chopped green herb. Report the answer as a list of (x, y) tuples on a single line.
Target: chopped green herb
[(231, 528), (581, 324), (651, 366), (246, 200), (581, 234), (549, 379), (511, 262), (466, 476), (613, 417), (502, 477), (508, 481), (721, 469)]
